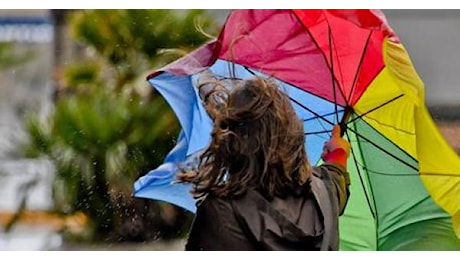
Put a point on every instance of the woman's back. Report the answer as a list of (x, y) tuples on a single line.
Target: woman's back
[(251, 222)]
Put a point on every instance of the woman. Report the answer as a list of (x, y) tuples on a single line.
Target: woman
[(257, 188)]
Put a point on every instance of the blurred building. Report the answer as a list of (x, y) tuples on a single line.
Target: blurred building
[(25, 26), (25, 85)]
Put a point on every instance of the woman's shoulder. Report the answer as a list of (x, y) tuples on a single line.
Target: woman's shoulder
[(218, 203), (226, 204)]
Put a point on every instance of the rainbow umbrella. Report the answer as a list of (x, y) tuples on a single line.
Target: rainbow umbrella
[(338, 66)]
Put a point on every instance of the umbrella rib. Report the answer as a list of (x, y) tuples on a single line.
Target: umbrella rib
[(304, 107), (231, 68), (318, 46), (317, 132), (371, 208), (439, 174), (332, 71), (311, 111), (317, 116), (359, 65), (386, 138), (387, 174), (411, 174), (383, 150), (375, 108), (331, 44), (328, 114), (340, 71), (249, 70), (390, 126)]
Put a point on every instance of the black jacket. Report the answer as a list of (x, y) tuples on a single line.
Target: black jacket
[(250, 222)]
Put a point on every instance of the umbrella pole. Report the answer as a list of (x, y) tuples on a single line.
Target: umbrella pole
[(345, 118)]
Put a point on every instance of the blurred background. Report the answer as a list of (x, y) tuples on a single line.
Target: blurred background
[(79, 123)]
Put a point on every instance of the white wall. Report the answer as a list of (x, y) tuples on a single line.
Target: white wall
[(432, 38)]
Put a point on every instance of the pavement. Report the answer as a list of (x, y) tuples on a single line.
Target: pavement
[(158, 245)]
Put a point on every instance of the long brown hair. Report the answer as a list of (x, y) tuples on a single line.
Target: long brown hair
[(257, 143)]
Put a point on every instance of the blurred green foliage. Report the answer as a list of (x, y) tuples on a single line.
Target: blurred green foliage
[(135, 41), (108, 127), (10, 57)]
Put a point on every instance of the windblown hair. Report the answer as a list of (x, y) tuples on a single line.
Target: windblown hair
[(257, 143)]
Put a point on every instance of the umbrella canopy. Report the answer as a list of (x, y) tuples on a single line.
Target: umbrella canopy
[(338, 66)]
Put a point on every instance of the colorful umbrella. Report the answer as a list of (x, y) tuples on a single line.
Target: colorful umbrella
[(338, 66)]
